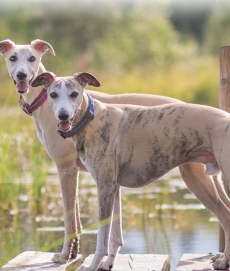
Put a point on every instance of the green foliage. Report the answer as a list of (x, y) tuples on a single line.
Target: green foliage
[(21, 153), (188, 82), (189, 17), (38, 167), (117, 45), (138, 39), (217, 31), (8, 172)]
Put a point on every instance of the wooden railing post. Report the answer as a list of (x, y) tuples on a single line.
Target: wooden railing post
[(224, 104)]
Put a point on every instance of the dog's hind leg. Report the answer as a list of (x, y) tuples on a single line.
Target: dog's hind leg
[(222, 260), (116, 239), (203, 187), (221, 189)]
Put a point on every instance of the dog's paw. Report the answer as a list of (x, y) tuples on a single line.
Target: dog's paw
[(59, 258), (220, 262), (216, 256), (104, 266)]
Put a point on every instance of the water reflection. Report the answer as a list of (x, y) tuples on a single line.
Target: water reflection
[(162, 218)]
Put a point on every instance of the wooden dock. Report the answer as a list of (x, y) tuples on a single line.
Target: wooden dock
[(195, 262), (40, 261), (35, 261)]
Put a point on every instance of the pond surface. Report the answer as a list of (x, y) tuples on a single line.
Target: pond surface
[(162, 218)]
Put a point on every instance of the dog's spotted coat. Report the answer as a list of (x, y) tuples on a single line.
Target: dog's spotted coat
[(133, 146)]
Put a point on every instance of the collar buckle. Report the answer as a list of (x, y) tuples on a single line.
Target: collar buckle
[(91, 115), (25, 109), (30, 108)]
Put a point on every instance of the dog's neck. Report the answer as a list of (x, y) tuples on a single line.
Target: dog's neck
[(33, 93), (81, 111)]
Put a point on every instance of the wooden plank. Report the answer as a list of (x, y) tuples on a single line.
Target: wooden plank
[(134, 262), (35, 261), (195, 262)]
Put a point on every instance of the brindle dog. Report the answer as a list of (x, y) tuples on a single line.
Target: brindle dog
[(132, 146)]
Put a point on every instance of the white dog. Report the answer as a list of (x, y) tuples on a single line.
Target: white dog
[(132, 146)]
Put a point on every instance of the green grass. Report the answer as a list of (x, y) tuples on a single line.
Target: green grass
[(194, 82), (20, 153)]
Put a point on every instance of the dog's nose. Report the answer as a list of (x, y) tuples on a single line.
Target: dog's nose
[(63, 115), (21, 75)]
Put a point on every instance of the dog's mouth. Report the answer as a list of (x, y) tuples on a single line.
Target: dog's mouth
[(22, 86), (65, 125)]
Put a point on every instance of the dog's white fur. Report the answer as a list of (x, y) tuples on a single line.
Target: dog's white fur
[(132, 146)]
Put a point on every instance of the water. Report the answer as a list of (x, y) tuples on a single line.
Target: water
[(162, 218)]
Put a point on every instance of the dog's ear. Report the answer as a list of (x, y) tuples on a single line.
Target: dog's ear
[(44, 79), (6, 45), (42, 46), (85, 78)]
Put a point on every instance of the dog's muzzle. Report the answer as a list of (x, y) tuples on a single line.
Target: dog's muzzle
[(65, 125), (22, 85)]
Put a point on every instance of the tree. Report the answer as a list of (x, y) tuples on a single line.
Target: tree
[(217, 31)]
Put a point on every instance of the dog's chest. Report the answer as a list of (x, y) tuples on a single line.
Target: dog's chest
[(39, 131), (42, 139), (84, 161), (46, 133)]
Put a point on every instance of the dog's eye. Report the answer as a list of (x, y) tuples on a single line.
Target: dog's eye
[(73, 94), (32, 59), (13, 58), (53, 95)]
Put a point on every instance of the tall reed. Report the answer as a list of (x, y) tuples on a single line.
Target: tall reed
[(23, 162)]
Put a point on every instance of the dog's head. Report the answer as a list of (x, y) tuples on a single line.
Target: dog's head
[(65, 94), (23, 61)]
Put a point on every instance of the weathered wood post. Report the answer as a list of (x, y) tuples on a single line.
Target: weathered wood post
[(224, 104)]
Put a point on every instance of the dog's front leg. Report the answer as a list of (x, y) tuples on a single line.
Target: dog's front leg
[(106, 196), (116, 238), (68, 174)]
